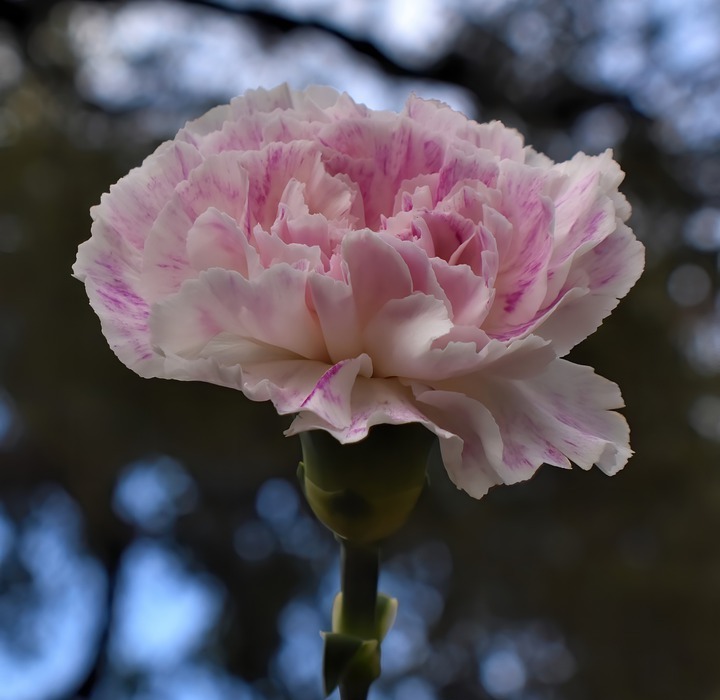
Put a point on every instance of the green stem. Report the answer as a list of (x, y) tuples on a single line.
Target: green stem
[(354, 692), (359, 579)]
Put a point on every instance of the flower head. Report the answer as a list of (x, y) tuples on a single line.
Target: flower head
[(358, 267)]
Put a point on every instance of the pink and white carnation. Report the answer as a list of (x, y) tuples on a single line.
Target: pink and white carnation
[(358, 267)]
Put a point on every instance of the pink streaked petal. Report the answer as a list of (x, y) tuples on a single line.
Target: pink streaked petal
[(528, 442), (578, 192), (588, 228), (609, 270), (331, 399), (435, 116), (253, 132), (248, 109), (320, 103), (469, 252), (110, 274), (132, 205), (378, 155), (615, 264), (270, 309), (471, 201), (521, 284), (574, 407), (588, 209), (608, 176), (215, 240), (500, 230), (269, 171), (461, 167), (494, 136), (577, 315), (563, 414), (597, 280), (285, 383), (532, 325), (292, 201), (374, 401), (165, 263), (219, 183), (399, 150), (292, 116), (377, 273), (491, 452), (527, 207)]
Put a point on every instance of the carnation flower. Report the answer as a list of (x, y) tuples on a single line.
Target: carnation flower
[(360, 267)]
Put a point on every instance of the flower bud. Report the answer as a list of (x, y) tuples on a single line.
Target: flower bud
[(365, 491)]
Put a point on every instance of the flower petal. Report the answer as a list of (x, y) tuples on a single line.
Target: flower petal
[(374, 401), (130, 208), (596, 282), (270, 309), (331, 399), (521, 284), (574, 407), (376, 272), (563, 414), (400, 336), (216, 240), (108, 267), (333, 302), (379, 154), (494, 136), (220, 183), (286, 383), (468, 294), (470, 441)]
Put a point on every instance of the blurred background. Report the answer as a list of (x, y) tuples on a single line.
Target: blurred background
[(153, 543)]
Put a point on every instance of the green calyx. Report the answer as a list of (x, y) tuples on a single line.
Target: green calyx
[(365, 491)]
